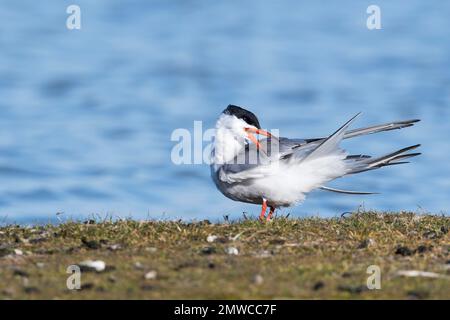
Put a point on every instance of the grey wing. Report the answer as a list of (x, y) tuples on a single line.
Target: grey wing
[(302, 148), (252, 163), (331, 143), (316, 148), (275, 149)]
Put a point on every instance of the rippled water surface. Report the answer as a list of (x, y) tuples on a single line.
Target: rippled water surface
[(86, 116)]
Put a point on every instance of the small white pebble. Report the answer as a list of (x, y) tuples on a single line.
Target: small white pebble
[(211, 238), (150, 275), (138, 265), (115, 247), (40, 265), (151, 249), (258, 279), (18, 252), (96, 265), (232, 251)]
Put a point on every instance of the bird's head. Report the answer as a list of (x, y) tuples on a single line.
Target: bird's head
[(234, 128)]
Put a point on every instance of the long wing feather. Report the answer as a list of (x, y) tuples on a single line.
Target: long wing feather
[(379, 128), (383, 161), (330, 144), (346, 191), (374, 129)]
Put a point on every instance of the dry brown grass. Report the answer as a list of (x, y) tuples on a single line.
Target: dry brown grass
[(287, 258)]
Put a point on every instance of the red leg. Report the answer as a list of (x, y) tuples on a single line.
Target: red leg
[(269, 216), (263, 210)]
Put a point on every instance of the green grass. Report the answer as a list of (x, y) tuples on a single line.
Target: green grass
[(286, 258)]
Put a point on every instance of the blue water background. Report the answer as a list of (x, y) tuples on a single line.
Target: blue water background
[(86, 115)]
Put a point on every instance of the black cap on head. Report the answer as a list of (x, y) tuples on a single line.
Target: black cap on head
[(243, 114)]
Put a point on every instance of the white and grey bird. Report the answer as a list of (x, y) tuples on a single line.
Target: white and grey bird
[(278, 172)]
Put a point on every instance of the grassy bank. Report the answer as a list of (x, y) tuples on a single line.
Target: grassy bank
[(287, 258)]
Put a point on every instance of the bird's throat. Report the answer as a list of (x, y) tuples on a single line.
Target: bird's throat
[(226, 146)]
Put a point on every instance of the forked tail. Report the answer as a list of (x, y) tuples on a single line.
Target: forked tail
[(361, 163)]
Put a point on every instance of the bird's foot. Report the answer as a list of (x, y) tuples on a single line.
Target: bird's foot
[(269, 216), (262, 216)]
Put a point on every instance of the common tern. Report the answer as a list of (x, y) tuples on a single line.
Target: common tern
[(278, 172)]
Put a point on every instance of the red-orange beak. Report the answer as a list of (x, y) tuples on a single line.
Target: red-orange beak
[(252, 138)]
